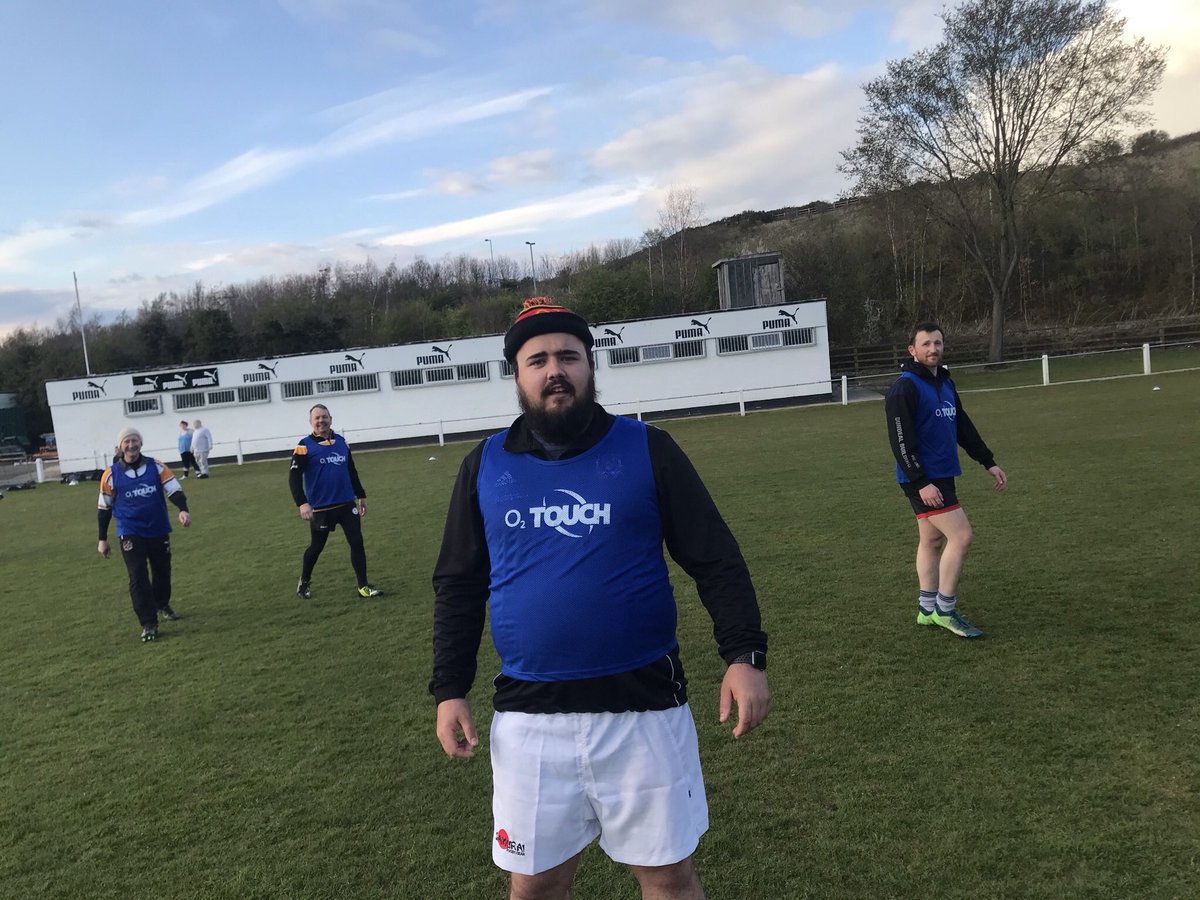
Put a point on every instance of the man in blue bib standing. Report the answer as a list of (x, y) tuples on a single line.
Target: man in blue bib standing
[(926, 426), (325, 486), (135, 489), (557, 526)]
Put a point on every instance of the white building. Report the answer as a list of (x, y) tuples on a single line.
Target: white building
[(424, 392)]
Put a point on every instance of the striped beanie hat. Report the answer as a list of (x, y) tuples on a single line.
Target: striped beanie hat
[(541, 315)]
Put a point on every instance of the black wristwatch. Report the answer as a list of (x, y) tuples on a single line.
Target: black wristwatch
[(756, 658)]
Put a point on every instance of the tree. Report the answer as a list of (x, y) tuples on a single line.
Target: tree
[(980, 123), (680, 211)]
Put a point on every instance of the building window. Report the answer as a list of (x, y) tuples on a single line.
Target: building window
[(194, 400), (147, 406), (624, 356), (439, 376), (369, 382), (472, 372), (688, 349), (798, 337), (407, 378), (737, 343), (254, 393), (506, 368), (767, 340), (656, 352), (295, 389), (222, 397)]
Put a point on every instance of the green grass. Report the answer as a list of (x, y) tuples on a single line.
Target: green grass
[(267, 747)]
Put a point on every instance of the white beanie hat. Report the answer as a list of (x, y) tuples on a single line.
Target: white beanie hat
[(127, 431)]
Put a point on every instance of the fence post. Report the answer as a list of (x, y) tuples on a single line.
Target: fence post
[(441, 434), (241, 459), (637, 405), (1045, 369), (1145, 359), (39, 466), (742, 402), (845, 396)]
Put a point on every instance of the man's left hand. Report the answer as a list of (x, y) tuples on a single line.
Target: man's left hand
[(747, 687), (362, 507), (185, 518), (1001, 479)]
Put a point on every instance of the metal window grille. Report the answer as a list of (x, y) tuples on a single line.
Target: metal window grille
[(438, 376), (254, 393), (506, 369), (368, 382), (623, 356), (736, 343), (798, 337), (329, 385), (216, 398), (766, 340), (472, 372), (294, 389), (407, 378), (655, 352), (193, 400), (688, 349), (148, 406)]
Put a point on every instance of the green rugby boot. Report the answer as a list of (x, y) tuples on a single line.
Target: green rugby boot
[(924, 617), (954, 623)]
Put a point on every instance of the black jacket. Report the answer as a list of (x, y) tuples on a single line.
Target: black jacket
[(900, 406), (695, 535)]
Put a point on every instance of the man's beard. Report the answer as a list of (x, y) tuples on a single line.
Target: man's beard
[(561, 426)]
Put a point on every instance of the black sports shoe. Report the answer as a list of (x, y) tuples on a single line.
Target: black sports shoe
[(170, 615), (302, 590), (149, 634)]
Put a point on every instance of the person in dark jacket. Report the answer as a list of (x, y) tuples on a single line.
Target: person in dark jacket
[(926, 425), (325, 487), (555, 530), (135, 489)]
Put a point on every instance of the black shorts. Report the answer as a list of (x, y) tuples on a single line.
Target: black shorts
[(949, 497), (330, 519)]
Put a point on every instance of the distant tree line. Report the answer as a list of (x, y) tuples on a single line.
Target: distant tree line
[(1115, 239)]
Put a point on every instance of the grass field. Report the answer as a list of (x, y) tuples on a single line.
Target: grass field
[(272, 748)]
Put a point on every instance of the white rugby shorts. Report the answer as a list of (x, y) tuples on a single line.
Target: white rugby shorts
[(563, 779)]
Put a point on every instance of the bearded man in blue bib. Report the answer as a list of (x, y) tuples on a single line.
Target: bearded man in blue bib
[(556, 527)]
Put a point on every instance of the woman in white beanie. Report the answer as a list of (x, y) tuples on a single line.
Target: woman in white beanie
[(135, 489)]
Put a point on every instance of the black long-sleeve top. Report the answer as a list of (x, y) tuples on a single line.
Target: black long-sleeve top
[(300, 463), (900, 407), (695, 535)]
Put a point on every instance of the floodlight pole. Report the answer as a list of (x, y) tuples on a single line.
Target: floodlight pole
[(82, 336), (532, 267), (492, 271)]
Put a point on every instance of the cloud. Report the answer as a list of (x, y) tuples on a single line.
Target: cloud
[(16, 249), (530, 167), (745, 137), (457, 184), (21, 306), (576, 205), (1175, 24), (390, 42), (728, 23)]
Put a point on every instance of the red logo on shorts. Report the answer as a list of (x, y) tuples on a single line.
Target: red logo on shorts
[(508, 845)]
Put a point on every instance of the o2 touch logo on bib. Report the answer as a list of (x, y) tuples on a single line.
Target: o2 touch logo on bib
[(562, 516)]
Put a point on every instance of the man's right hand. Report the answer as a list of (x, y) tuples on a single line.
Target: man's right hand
[(932, 497), (306, 512), (102, 549), (456, 728)]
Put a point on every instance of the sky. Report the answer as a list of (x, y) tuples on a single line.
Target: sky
[(149, 146)]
